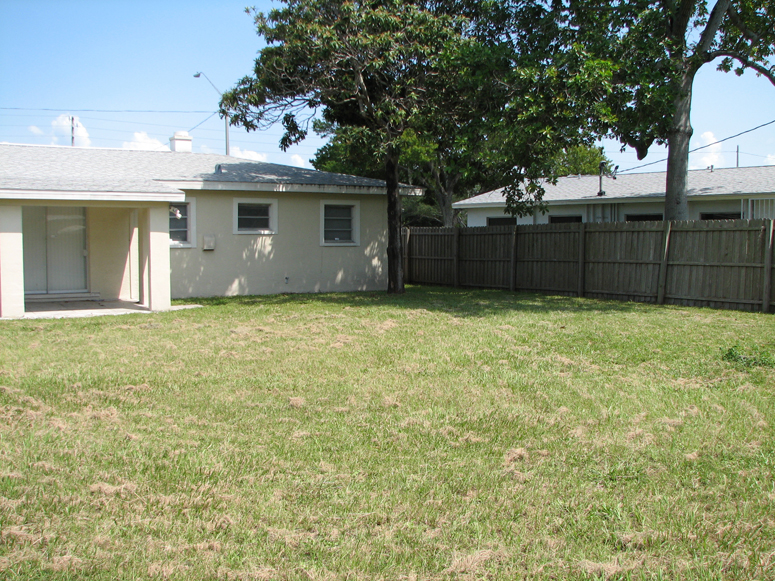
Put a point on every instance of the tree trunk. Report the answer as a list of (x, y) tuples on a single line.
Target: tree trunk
[(444, 200), (676, 207), (394, 253)]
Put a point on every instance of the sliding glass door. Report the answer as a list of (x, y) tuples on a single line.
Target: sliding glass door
[(54, 249)]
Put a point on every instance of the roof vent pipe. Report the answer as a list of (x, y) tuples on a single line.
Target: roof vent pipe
[(181, 141), (600, 191)]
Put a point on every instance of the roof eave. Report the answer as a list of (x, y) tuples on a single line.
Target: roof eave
[(606, 199), (91, 196), (284, 187)]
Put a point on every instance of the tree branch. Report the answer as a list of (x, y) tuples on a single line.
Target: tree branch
[(681, 18), (711, 28), (746, 62), (738, 23)]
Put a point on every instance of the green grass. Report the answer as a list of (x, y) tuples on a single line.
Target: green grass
[(441, 434)]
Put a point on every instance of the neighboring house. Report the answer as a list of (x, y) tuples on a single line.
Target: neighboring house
[(150, 226), (713, 194)]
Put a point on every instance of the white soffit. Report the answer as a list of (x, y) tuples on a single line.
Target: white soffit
[(77, 196)]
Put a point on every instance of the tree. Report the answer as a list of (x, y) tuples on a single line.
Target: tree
[(657, 47), (447, 174), (581, 160), (376, 66), (456, 72)]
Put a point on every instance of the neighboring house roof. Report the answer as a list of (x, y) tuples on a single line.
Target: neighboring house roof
[(643, 186), (33, 171)]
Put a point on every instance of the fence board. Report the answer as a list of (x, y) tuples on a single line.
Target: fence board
[(721, 264)]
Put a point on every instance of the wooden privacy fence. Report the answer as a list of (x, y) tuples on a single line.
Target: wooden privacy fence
[(720, 264)]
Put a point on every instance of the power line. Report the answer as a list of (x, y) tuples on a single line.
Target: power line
[(703, 146), (98, 110)]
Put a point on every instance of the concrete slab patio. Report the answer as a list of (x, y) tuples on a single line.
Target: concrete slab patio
[(75, 309)]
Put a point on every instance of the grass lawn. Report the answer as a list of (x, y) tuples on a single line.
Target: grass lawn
[(443, 434)]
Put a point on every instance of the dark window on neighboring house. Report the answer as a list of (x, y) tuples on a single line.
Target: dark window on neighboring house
[(643, 218), (720, 216), (564, 219), (502, 221)]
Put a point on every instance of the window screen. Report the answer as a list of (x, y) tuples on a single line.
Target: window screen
[(179, 223), (252, 217), (338, 223)]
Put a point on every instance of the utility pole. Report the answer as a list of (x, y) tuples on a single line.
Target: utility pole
[(738, 156), (226, 119), (72, 131)]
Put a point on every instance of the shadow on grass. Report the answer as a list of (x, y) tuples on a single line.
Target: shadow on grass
[(460, 302)]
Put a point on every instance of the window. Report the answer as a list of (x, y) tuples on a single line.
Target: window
[(501, 221), (720, 216), (255, 216), (183, 224), (643, 218), (339, 223), (564, 219)]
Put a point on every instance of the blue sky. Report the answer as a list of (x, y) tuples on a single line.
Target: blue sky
[(67, 57)]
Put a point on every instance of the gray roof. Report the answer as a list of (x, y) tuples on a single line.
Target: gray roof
[(645, 186), (76, 169)]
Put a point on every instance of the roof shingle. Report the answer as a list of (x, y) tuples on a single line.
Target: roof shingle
[(704, 182), (58, 168)]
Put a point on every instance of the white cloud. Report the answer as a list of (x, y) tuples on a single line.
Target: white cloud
[(64, 127), (35, 130), (247, 154), (141, 141), (771, 159), (710, 155), (298, 161)]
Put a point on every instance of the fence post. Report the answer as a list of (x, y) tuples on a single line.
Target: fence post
[(407, 256), (456, 249), (513, 276), (663, 266), (582, 256), (769, 241)]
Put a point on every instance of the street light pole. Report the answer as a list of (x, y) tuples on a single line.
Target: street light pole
[(225, 119)]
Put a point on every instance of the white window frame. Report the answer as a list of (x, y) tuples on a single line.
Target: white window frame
[(191, 202), (356, 225), (273, 205)]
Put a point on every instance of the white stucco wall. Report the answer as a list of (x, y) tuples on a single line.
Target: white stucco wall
[(110, 267), (478, 216), (243, 264), (11, 262), (700, 207)]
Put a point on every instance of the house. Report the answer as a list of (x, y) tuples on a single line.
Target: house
[(149, 226), (713, 194)]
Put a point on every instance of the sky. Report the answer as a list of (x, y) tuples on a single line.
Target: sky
[(124, 69)]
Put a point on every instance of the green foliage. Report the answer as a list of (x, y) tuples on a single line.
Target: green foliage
[(381, 68), (460, 90), (581, 160), (758, 357), (349, 151), (655, 48), (445, 175), (365, 65)]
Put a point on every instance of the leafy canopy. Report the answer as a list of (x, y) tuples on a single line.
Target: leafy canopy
[(363, 64)]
